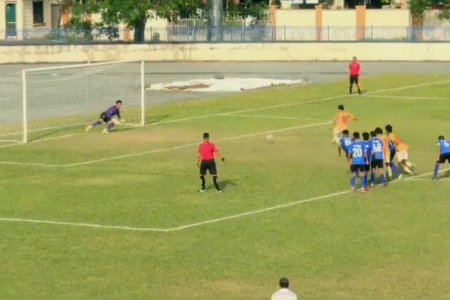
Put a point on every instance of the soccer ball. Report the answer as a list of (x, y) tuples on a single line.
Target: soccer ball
[(269, 137)]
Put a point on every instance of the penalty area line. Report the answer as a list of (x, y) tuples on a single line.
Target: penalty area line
[(183, 227)]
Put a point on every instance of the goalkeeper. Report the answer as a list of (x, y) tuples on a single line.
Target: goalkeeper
[(109, 117)]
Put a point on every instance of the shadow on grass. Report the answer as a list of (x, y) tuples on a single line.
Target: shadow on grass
[(224, 184), (39, 136)]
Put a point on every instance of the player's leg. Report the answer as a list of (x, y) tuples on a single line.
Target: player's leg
[(203, 169), (373, 168), (213, 172), (362, 173), (353, 171), (350, 89), (366, 174), (337, 134), (402, 157), (97, 123), (357, 84), (111, 124), (381, 170), (339, 150), (440, 161), (393, 166), (408, 163), (387, 164)]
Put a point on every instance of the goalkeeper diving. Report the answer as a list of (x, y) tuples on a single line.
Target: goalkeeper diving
[(111, 117)]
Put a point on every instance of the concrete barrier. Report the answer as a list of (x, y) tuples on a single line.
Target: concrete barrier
[(228, 52)]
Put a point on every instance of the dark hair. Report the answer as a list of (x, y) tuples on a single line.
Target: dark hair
[(119, 101), (373, 134), (341, 107), (378, 130), (345, 132), (356, 135), (441, 137), (206, 135), (388, 128), (365, 136), (284, 283)]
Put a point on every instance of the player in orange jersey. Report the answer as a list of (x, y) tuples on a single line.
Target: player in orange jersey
[(402, 151), (340, 123)]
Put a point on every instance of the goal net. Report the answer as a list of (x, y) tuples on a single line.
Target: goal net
[(54, 99)]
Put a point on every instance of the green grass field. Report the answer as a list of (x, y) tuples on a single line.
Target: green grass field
[(123, 219)]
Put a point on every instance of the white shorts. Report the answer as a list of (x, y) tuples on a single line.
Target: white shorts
[(337, 135), (387, 158), (402, 155)]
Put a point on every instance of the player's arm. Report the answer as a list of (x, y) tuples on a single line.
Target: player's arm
[(352, 117), (333, 122), (218, 154), (438, 152)]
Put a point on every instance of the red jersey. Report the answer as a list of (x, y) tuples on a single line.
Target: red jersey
[(354, 68), (206, 150)]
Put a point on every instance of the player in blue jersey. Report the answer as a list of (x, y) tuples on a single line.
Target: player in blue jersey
[(377, 159), (109, 117), (366, 138), (443, 153), (344, 142), (357, 158)]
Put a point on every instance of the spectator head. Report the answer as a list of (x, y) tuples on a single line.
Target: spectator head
[(284, 283)]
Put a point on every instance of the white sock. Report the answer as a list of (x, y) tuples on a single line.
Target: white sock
[(389, 171), (408, 164)]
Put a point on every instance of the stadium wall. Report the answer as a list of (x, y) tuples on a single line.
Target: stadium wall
[(228, 52)]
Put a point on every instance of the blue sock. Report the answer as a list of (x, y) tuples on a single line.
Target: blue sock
[(395, 169), (383, 179), (97, 123), (352, 182), (372, 178), (363, 182), (110, 125), (436, 170)]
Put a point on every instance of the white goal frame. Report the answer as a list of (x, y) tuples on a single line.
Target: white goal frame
[(25, 131)]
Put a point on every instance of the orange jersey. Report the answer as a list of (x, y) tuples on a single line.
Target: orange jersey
[(341, 120), (385, 141), (398, 144)]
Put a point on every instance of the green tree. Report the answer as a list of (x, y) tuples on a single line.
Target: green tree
[(135, 13)]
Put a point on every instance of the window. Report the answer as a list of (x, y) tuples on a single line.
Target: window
[(38, 11)]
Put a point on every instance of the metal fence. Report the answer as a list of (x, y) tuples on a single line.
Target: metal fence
[(258, 33)]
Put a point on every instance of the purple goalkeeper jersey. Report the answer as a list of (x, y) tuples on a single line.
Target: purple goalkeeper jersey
[(112, 111)]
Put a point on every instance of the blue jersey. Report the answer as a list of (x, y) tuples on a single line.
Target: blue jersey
[(345, 143), (376, 148), (444, 146), (357, 150), (112, 111)]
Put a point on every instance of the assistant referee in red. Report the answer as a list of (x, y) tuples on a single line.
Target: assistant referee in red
[(354, 68), (206, 152)]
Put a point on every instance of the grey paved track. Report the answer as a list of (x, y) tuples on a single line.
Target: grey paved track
[(64, 92)]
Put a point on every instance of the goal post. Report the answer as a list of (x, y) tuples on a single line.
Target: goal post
[(54, 99)]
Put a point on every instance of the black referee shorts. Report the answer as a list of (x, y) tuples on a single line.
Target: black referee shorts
[(208, 166), (354, 79), (104, 118)]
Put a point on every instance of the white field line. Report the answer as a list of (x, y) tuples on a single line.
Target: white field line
[(164, 149), (263, 108), (429, 179), (207, 222), (406, 97), (195, 144), (42, 140), (229, 113), (273, 117)]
